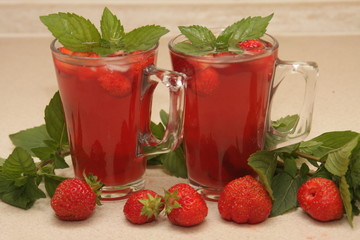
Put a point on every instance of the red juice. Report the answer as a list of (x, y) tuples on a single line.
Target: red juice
[(106, 106), (226, 106)]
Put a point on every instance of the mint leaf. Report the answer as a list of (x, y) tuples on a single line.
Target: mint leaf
[(23, 196), (2, 161), (174, 162), (51, 183), (346, 198), (285, 124), (19, 163), (157, 130), (310, 147), (201, 41), (285, 190), (18, 180), (43, 153), (199, 36), (290, 166), (30, 138), (354, 167), (74, 32), (55, 120), (104, 51), (164, 116), (59, 162), (337, 161), (264, 164), (249, 28), (111, 28), (143, 38), (331, 141), (188, 48)]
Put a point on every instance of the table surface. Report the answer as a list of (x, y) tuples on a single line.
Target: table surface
[(28, 82)]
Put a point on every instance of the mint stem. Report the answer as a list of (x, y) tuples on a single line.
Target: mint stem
[(308, 156), (51, 161)]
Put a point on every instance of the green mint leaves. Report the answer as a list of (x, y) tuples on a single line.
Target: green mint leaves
[(20, 175), (174, 161), (201, 41), (73, 31), (79, 34), (333, 155)]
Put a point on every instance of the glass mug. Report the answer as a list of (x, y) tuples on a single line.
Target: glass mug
[(107, 106), (227, 116)]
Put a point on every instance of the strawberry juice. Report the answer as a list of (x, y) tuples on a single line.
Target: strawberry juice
[(107, 106), (227, 100)]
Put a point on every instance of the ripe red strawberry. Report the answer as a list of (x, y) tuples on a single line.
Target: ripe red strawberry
[(74, 199), (320, 198), (205, 82), (143, 207), (245, 200), (253, 46), (116, 83), (140, 61), (82, 72), (184, 206), (78, 54)]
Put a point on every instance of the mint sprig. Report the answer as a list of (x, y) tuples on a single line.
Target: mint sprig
[(202, 41), (20, 174), (79, 34), (334, 155)]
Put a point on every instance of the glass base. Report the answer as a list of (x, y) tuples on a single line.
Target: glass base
[(208, 193), (111, 193)]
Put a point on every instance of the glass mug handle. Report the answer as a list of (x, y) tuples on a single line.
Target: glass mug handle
[(175, 82), (277, 137)]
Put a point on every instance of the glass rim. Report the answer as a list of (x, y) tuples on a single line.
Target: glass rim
[(55, 50), (231, 58)]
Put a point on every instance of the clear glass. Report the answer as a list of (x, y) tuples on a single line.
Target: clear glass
[(107, 104), (227, 102)]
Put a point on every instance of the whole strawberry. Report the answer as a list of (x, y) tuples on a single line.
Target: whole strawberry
[(245, 200), (74, 199), (143, 207), (117, 84), (320, 198), (184, 206), (252, 46)]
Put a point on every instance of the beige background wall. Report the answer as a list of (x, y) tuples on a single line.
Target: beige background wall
[(291, 16)]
